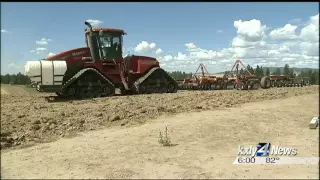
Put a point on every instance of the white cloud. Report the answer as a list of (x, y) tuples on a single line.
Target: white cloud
[(190, 45), (252, 46), (43, 41), (310, 37), (145, 47), (39, 50), (13, 66), (251, 31), (310, 49), (249, 34), (50, 54), (94, 22), (159, 51), (239, 42), (288, 32), (180, 57), (5, 31), (273, 53), (310, 33), (315, 20), (167, 58)]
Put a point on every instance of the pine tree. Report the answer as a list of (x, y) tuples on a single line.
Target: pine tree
[(261, 73), (286, 70), (267, 72), (257, 71), (291, 73), (241, 71)]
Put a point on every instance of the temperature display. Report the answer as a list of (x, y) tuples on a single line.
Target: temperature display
[(277, 160), (272, 159)]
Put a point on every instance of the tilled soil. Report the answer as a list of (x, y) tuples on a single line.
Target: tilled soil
[(29, 119), (204, 146)]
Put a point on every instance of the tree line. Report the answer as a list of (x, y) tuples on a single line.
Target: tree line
[(18, 78), (259, 71), (180, 75)]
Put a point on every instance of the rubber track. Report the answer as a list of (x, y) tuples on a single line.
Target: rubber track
[(143, 78), (76, 76)]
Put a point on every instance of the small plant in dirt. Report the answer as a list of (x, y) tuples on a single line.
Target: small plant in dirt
[(164, 138)]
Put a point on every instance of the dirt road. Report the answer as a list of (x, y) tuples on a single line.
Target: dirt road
[(207, 146)]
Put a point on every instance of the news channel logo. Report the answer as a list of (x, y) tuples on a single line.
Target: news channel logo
[(265, 150)]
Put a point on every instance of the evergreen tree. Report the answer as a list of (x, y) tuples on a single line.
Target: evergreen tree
[(257, 71), (241, 71), (250, 69), (267, 72), (291, 73), (261, 72), (286, 70)]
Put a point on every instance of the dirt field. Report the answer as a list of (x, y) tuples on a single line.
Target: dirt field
[(206, 141), (16, 89), (28, 119)]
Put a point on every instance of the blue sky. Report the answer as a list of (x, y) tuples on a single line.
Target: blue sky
[(180, 35)]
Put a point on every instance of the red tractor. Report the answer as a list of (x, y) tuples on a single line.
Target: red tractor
[(99, 69)]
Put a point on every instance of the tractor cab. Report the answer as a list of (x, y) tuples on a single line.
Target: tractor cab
[(104, 43)]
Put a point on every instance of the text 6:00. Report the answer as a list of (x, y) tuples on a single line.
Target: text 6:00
[(246, 160)]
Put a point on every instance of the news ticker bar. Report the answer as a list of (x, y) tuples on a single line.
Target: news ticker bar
[(276, 160)]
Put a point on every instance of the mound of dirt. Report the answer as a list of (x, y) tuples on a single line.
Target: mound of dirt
[(29, 119)]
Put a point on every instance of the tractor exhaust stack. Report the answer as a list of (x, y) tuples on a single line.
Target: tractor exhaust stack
[(92, 43)]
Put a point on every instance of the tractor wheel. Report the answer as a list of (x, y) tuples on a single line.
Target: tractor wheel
[(98, 92), (218, 85), (243, 86), (255, 85), (143, 89), (286, 84), (90, 94), (224, 85), (107, 91), (212, 86), (81, 93), (265, 82), (70, 92), (208, 87), (230, 85), (172, 88)]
